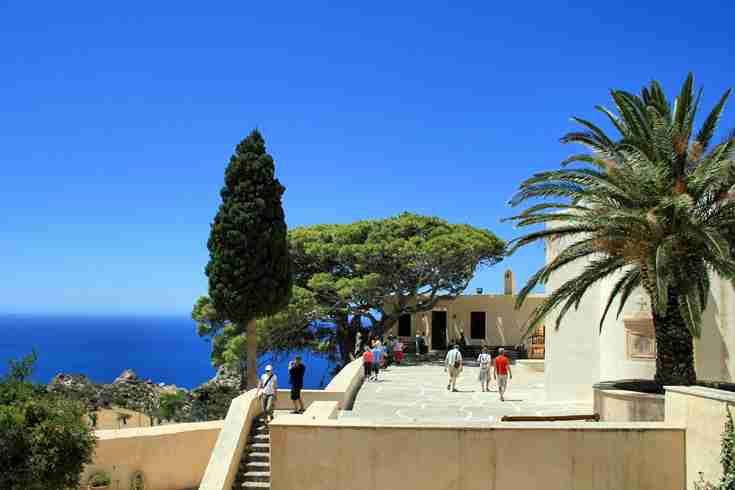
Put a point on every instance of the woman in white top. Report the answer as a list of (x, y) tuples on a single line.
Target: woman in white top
[(484, 360)]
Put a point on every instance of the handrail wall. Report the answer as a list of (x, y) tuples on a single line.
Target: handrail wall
[(225, 459)]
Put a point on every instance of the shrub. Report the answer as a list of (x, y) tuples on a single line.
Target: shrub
[(727, 454), (99, 479), (171, 406), (44, 439)]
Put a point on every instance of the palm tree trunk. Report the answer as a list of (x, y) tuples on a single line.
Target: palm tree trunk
[(674, 346), (252, 343)]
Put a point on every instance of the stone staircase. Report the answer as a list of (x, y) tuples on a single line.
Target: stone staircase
[(255, 466)]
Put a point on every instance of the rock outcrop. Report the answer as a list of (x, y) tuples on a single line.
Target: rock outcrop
[(226, 377), (208, 401), (127, 376)]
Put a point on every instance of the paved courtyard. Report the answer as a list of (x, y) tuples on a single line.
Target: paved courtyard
[(417, 394)]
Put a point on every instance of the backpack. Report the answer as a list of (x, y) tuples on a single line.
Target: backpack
[(457, 362)]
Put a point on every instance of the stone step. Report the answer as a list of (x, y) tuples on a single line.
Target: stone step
[(257, 466), (260, 438), (261, 476), (256, 484), (259, 447), (258, 457), (260, 429)]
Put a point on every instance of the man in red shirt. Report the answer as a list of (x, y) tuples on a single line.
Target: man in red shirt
[(501, 372), (367, 363)]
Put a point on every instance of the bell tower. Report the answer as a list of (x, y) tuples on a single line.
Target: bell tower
[(510, 283)]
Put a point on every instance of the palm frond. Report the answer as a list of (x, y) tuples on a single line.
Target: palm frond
[(710, 124), (630, 277)]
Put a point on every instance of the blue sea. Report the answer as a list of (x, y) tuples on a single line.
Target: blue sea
[(162, 349)]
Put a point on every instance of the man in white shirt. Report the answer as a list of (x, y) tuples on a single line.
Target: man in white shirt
[(268, 392), (453, 365), (484, 360)]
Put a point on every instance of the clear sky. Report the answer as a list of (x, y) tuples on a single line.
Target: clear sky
[(117, 121)]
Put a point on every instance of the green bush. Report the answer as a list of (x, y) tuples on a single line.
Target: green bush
[(44, 438), (99, 479), (727, 454), (171, 406), (212, 401)]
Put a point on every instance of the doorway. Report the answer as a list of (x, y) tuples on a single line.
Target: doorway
[(438, 330)]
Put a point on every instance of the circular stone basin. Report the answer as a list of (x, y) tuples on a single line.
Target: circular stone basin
[(629, 401)]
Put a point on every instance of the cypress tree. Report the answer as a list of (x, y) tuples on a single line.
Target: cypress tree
[(249, 268)]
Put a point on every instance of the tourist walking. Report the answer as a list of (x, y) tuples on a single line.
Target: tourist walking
[(484, 360), (398, 351), (367, 363), (268, 392), (388, 351), (419, 344), (296, 370), (453, 365), (502, 372), (377, 356)]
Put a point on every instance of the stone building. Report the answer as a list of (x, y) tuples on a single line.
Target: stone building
[(483, 319)]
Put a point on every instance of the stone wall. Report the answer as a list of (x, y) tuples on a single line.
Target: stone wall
[(319, 452), (703, 412), (171, 457), (628, 406), (227, 452)]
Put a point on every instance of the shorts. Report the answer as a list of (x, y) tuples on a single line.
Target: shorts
[(502, 382), (296, 392), (267, 404), (453, 371), (376, 368), (484, 375)]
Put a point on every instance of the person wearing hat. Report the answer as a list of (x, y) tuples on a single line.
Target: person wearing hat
[(453, 365), (268, 392)]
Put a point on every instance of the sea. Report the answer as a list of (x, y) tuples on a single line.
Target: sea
[(162, 349)]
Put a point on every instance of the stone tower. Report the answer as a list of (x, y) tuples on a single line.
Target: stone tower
[(510, 283)]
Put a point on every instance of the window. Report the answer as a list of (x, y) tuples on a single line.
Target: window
[(477, 325), (641, 346), (404, 326), (640, 336)]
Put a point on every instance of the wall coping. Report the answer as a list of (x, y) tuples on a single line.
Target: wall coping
[(316, 421), (703, 392), (630, 394), (225, 458), (158, 430)]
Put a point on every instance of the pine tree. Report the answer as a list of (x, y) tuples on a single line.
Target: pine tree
[(249, 269)]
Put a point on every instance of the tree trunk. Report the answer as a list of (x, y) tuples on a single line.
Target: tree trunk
[(674, 346), (251, 334), (345, 340), (243, 370)]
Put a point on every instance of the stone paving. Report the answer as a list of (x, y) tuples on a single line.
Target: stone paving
[(417, 394)]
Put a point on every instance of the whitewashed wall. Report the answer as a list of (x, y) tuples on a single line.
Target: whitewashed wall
[(573, 351)]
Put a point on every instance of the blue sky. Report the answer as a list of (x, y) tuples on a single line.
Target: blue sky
[(117, 121)]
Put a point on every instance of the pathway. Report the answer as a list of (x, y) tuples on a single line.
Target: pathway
[(417, 394)]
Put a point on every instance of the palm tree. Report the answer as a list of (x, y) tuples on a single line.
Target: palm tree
[(654, 207)]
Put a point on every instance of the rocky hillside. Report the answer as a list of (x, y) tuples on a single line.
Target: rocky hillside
[(206, 402)]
